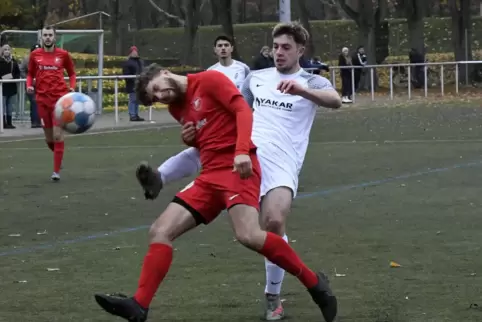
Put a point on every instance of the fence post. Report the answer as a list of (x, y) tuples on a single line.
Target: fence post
[(116, 100), (21, 101), (442, 79), (409, 82), (372, 83), (1, 107), (456, 78), (391, 83), (333, 78), (353, 89), (425, 80)]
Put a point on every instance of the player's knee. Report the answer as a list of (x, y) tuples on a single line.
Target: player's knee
[(58, 138), (274, 221), (159, 234), (250, 237), (245, 238)]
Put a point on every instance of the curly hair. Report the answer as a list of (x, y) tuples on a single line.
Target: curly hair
[(293, 29), (148, 74)]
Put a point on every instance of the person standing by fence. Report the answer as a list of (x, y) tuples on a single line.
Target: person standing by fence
[(133, 66), (8, 70), (346, 76), (359, 59), (34, 118)]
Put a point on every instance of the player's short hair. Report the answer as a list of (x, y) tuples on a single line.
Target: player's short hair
[(148, 74), (223, 37), (294, 29), (48, 27)]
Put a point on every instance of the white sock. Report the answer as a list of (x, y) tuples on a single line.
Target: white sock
[(183, 164), (274, 276)]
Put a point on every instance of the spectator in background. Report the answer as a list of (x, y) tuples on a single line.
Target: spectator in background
[(305, 62), (359, 59), (318, 65), (133, 66), (8, 70), (34, 117), (418, 75), (264, 59), (345, 61)]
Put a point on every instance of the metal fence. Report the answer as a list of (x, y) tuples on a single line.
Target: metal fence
[(435, 75)]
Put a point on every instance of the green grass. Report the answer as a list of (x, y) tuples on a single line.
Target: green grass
[(429, 223)]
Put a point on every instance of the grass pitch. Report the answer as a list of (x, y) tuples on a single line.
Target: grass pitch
[(379, 185)]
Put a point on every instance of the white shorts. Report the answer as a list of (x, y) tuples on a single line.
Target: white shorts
[(277, 169)]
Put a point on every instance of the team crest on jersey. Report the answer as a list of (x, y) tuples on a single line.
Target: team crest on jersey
[(58, 60), (196, 104)]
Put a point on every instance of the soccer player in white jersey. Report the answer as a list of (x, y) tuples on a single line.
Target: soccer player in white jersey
[(234, 69), (284, 100)]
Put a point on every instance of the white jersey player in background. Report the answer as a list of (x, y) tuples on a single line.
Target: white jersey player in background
[(235, 70), (284, 100)]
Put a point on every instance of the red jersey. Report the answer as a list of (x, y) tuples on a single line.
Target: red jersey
[(222, 117), (47, 68)]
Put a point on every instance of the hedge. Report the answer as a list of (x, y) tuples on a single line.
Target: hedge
[(91, 60), (328, 36)]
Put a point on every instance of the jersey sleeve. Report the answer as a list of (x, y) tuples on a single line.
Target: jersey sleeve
[(246, 70), (31, 69), (70, 68), (319, 82), (246, 91), (231, 99)]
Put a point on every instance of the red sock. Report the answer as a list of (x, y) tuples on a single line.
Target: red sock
[(51, 146), (155, 267), (277, 251), (58, 155)]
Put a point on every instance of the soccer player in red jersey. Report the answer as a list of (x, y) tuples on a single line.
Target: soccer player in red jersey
[(46, 73), (223, 120)]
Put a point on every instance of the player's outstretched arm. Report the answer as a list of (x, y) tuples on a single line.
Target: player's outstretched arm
[(70, 68), (31, 70), (321, 92)]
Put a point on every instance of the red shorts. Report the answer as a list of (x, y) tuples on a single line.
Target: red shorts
[(211, 193), (46, 116), (46, 108)]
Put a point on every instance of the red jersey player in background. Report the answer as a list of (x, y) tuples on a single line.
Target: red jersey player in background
[(223, 120), (46, 70)]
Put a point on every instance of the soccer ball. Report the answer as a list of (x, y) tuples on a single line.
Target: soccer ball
[(75, 112)]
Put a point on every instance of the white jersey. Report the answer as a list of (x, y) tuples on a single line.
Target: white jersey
[(236, 72), (282, 122)]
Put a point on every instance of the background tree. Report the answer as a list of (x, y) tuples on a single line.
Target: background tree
[(415, 11), (462, 33), (305, 20), (226, 18)]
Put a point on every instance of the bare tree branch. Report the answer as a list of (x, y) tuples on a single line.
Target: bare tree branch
[(167, 14), (205, 2), (349, 11)]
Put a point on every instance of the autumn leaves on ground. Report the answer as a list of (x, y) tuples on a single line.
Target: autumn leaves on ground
[(380, 187)]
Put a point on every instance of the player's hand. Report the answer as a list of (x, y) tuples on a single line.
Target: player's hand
[(188, 133), (291, 87), (72, 90), (30, 90), (243, 165)]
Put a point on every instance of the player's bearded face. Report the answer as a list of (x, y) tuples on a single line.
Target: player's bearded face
[(165, 90), (48, 38), (286, 53)]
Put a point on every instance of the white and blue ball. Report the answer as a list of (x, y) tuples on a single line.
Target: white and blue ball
[(75, 112)]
